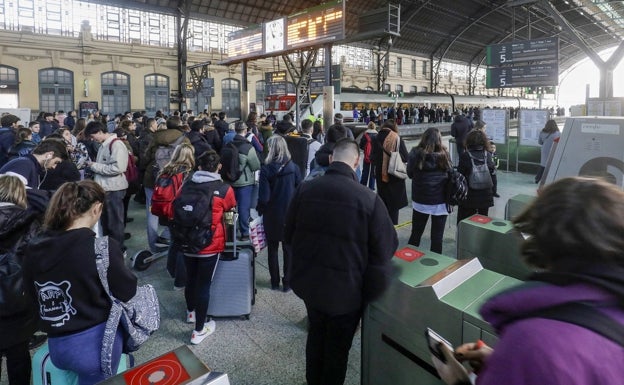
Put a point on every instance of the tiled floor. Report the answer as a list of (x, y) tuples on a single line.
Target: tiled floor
[(269, 348)]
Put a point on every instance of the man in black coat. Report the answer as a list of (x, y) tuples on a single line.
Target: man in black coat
[(459, 129), (340, 260)]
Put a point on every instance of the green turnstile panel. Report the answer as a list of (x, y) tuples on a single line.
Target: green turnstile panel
[(494, 242), (516, 204), (430, 290)]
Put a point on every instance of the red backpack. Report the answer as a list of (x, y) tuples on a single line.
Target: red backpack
[(368, 147), (132, 172), (166, 189)]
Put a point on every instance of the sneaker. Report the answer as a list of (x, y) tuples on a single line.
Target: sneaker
[(197, 337), (190, 317)]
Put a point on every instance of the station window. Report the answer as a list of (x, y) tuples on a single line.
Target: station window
[(414, 61), (115, 93), (56, 90), (156, 94), (398, 88), (9, 87), (399, 66), (260, 92), (230, 97), (425, 70), (413, 89)]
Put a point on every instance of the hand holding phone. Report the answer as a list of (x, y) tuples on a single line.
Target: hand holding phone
[(433, 342)]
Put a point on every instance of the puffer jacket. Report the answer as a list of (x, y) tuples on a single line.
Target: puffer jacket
[(248, 161), (17, 227), (220, 204), (428, 182)]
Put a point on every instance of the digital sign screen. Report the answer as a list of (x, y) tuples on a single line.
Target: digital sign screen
[(317, 25), (245, 43), (546, 49), (274, 36), (522, 76)]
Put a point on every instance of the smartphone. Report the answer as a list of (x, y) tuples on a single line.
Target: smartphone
[(433, 341)]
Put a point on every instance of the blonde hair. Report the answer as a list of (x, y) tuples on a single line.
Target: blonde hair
[(12, 190), (278, 150), (183, 157)]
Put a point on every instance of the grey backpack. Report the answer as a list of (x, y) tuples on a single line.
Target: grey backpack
[(480, 177)]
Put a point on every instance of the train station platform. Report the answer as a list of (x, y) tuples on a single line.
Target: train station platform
[(269, 348)]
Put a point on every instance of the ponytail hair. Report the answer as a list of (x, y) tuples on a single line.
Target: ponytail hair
[(70, 201)]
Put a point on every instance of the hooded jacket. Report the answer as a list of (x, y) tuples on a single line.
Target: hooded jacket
[(544, 351), (61, 275), (220, 204), (248, 161)]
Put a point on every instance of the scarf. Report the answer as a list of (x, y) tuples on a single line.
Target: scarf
[(389, 146)]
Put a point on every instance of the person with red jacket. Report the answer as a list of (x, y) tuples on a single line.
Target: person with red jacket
[(201, 266)]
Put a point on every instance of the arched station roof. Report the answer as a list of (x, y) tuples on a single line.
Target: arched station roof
[(453, 30)]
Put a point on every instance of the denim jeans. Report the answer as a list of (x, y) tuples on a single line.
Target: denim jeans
[(80, 352), (152, 221), (368, 176), (243, 201), (200, 271), (112, 218)]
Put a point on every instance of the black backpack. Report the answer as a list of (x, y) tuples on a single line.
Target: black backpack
[(191, 227), (456, 189), (230, 166)]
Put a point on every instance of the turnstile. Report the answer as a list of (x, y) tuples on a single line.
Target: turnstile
[(516, 204), (494, 242), (431, 290)]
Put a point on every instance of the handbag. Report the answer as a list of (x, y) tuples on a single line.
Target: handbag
[(257, 234), (456, 188), (396, 167), (139, 317)]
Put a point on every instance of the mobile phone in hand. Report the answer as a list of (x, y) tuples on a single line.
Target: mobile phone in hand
[(433, 342)]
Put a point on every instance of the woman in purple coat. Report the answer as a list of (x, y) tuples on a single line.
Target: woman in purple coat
[(573, 236), (279, 178)]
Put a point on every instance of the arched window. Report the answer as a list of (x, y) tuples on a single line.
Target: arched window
[(56, 90), (413, 89), (368, 88), (156, 94), (115, 93), (230, 98), (398, 88), (386, 87), (9, 87)]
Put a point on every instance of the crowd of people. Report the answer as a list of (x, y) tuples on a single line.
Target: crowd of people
[(71, 182)]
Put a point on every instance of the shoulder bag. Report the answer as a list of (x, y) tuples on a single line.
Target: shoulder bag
[(396, 167), (480, 177), (139, 317)]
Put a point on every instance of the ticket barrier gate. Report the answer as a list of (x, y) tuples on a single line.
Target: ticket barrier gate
[(431, 290), (494, 242), (516, 204)]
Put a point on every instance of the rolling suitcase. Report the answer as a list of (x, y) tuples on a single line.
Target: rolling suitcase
[(45, 373), (233, 288)]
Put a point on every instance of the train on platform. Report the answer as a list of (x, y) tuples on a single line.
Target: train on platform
[(347, 100)]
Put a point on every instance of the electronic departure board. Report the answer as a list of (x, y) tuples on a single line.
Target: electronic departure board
[(546, 49), (521, 76), (318, 25), (245, 43)]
